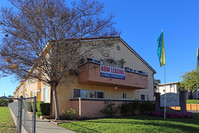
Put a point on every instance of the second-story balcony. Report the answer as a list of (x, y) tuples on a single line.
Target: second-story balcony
[(96, 74)]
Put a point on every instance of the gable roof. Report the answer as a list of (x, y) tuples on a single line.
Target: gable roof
[(123, 42), (136, 54)]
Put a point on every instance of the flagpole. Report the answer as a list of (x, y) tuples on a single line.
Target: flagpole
[(165, 103), (161, 56), (197, 94), (197, 82)]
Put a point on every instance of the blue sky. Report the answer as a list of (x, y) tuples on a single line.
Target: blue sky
[(141, 21)]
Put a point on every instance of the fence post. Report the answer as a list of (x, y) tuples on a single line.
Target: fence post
[(183, 101), (157, 102), (34, 115), (20, 113)]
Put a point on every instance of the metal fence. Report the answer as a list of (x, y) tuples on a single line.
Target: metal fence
[(18, 115)]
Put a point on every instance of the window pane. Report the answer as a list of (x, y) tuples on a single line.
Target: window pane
[(92, 95), (124, 95), (100, 95), (45, 94), (76, 93), (80, 93), (142, 97), (83, 93)]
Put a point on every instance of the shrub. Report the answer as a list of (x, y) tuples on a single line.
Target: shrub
[(135, 107), (70, 114), (130, 108), (45, 108), (173, 115), (38, 105), (109, 109), (126, 109), (4, 102), (147, 107), (38, 114)]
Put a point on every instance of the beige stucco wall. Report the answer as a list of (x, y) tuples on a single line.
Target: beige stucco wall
[(43, 85), (90, 108), (65, 90), (133, 62), (31, 86)]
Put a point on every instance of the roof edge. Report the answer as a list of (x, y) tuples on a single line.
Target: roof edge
[(132, 50), (169, 83)]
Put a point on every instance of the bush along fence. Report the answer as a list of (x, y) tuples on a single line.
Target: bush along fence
[(95, 108), (42, 109), (128, 108), (24, 120), (173, 115)]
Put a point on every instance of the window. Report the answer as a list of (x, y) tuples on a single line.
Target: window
[(142, 97), (79, 93), (92, 94), (96, 94), (124, 95), (45, 95), (172, 86), (99, 94)]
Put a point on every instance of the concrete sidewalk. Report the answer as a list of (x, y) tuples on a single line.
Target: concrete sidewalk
[(43, 126)]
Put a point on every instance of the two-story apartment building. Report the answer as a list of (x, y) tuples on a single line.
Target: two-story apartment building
[(123, 75), (169, 88)]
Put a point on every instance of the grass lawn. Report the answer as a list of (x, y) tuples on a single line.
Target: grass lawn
[(136, 124), (192, 101), (6, 122)]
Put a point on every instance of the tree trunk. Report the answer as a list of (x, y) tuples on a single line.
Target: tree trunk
[(56, 103), (191, 95), (51, 102)]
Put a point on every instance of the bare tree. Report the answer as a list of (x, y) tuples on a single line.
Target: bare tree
[(45, 38)]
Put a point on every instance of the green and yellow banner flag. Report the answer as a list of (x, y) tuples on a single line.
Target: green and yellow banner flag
[(198, 60), (161, 50)]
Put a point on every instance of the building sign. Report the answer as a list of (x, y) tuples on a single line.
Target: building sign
[(112, 72), (172, 99)]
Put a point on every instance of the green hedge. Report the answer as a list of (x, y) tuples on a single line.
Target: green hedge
[(4, 102), (38, 106), (45, 108), (131, 108), (109, 109), (192, 101), (42, 108)]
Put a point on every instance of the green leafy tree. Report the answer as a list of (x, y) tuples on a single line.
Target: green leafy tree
[(189, 81)]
